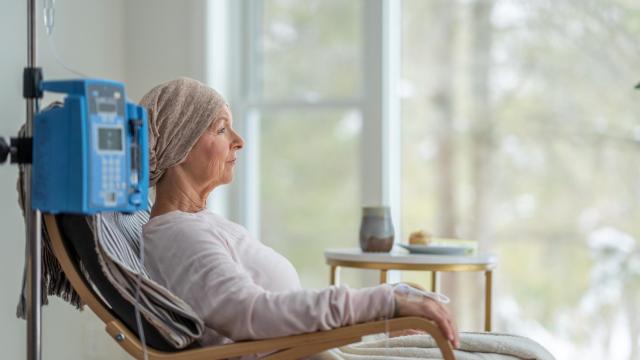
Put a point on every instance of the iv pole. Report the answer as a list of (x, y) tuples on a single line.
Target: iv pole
[(32, 217)]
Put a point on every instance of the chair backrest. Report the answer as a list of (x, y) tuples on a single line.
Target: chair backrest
[(78, 241)]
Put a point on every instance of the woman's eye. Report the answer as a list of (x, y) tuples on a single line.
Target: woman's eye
[(222, 130)]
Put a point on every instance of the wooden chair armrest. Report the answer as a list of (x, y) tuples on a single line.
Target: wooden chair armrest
[(288, 347)]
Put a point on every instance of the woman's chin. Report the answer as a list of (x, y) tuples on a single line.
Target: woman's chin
[(228, 179)]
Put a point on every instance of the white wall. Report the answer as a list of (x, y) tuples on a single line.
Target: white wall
[(142, 43), (164, 40), (12, 56)]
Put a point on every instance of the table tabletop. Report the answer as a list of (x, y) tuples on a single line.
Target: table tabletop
[(401, 259), (401, 256)]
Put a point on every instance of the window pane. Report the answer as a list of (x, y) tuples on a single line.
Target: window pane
[(309, 187), (309, 50), (521, 130)]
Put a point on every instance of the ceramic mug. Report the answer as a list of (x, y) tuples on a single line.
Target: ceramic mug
[(376, 229)]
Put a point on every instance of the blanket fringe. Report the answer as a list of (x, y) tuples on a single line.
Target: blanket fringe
[(54, 281)]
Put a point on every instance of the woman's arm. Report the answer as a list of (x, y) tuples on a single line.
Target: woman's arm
[(201, 270)]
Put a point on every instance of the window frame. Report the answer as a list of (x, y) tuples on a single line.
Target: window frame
[(380, 147)]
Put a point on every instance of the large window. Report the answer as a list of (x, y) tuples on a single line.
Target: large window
[(517, 127), (309, 186), (307, 51), (302, 99), (520, 130)]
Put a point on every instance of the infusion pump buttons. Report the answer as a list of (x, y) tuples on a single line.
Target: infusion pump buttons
[(112, 175), (112, 178)]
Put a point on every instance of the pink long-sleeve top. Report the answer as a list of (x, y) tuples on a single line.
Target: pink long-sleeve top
[(243, 289)]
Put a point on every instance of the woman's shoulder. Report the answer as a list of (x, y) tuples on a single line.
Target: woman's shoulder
[(180, 223)]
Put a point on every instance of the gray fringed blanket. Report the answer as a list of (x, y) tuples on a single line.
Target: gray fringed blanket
[(54, 282)]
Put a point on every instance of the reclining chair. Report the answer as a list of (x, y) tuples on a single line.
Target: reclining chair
[(71, 241)]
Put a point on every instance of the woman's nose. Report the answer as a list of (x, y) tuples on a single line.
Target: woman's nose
[(238, 141)]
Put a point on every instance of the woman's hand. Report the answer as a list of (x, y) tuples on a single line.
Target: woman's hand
[(430, 309)]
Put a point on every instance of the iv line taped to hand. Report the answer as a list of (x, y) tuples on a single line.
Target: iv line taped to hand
[(412, 294)]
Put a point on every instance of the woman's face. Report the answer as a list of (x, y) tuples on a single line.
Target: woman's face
[(212, 159)]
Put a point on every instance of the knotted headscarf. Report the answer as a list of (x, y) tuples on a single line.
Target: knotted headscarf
[(179, 112)]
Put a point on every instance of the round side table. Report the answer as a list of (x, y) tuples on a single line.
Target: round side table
[(356, 258)]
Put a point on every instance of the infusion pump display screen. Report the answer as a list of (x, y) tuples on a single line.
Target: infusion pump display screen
[(107, 107), (110, 139)]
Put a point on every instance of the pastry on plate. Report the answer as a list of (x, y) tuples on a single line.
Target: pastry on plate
[(419, 237)]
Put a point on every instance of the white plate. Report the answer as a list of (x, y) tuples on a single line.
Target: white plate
[(436, 249)]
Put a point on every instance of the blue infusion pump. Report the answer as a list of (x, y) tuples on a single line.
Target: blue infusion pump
[(90, 154)]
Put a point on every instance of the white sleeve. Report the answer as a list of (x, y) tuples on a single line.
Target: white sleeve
[(199, 268)]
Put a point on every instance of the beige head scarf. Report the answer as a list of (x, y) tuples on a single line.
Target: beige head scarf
[(179, 112)]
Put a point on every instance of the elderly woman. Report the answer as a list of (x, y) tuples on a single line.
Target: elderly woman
[(240, 287)]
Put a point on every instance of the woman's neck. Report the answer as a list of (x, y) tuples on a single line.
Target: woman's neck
[(176, 193)]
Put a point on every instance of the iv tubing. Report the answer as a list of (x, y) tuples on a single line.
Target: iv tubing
[(137, 301), (49, 24)]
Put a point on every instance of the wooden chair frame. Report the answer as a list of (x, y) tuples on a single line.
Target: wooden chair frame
[(289, 347)]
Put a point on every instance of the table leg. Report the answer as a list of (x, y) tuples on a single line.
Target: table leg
[(334, 275), (487, 300), (434, 281), (383, 276)]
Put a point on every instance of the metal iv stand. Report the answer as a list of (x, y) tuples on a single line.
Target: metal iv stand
[(20, 152), (31, 80)]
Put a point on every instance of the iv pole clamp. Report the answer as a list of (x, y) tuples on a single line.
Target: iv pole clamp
[(20, 149)]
